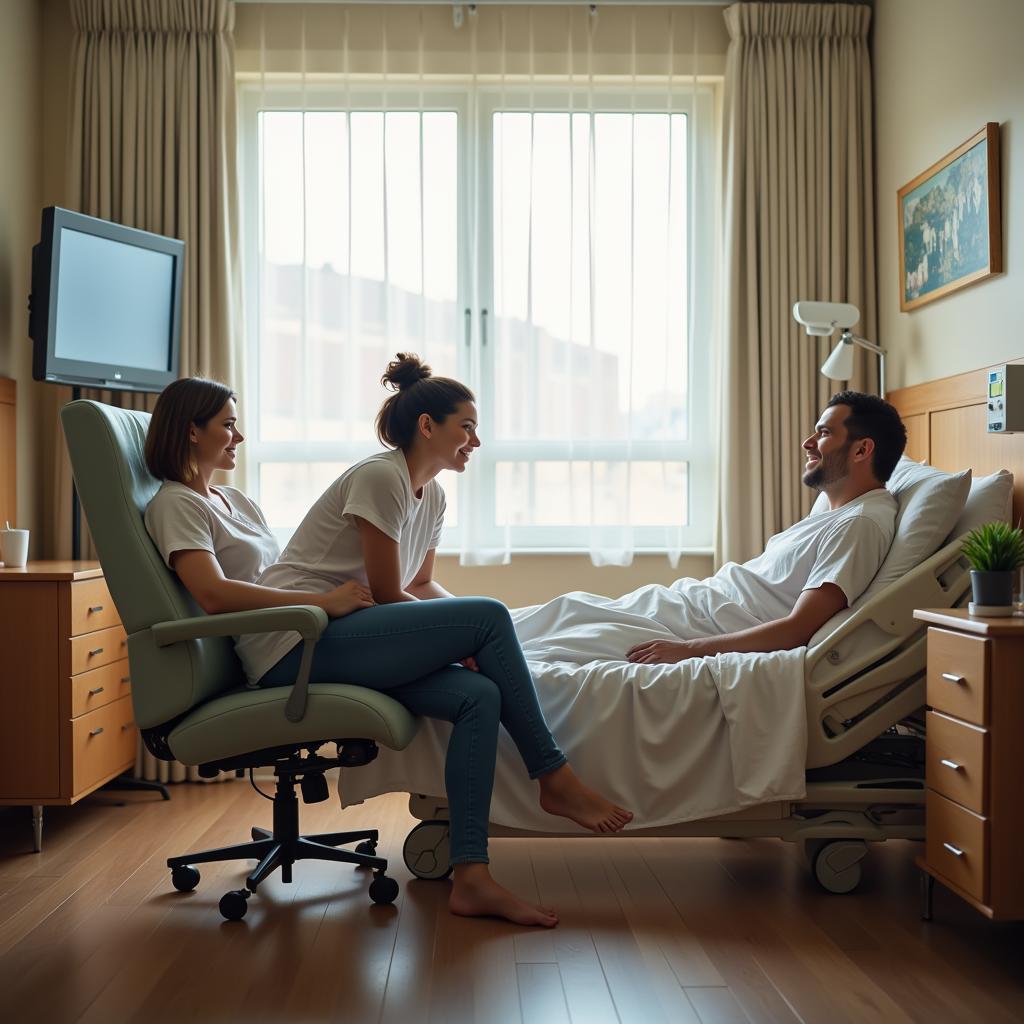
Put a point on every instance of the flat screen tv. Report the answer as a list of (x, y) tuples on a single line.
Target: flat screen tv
[(105, 308)]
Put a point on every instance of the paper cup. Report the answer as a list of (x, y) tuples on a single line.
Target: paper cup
[(14, 548)]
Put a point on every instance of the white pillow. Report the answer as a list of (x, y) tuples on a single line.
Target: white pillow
[(930, 502), (990, 500)]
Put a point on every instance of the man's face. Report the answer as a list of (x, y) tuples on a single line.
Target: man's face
[(827, 449)]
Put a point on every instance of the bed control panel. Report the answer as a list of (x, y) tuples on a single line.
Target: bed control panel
[(1005, 412)]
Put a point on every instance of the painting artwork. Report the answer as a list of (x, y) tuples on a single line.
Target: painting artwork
[(949, 222)]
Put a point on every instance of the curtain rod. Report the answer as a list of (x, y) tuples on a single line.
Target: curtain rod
[(505, 3)]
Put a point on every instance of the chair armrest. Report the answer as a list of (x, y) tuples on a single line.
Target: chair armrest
[(306, 620)]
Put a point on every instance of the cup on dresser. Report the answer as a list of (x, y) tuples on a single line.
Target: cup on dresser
[(13, 547)]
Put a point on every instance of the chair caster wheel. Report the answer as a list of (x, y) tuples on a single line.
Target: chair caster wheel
[(184, 878), (368, 847), (383, 889), (233, 905)]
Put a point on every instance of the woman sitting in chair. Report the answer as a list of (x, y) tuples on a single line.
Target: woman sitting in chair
[(365, 554)]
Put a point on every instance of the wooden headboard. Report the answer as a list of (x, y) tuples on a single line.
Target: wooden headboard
[(8, 479), (945, 421)]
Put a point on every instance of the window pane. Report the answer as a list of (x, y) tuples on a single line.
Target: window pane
[(575, 494), (355, 265), (590, 214), (288, 489)]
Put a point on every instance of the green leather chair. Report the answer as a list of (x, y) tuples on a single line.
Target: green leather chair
[(188, 691)]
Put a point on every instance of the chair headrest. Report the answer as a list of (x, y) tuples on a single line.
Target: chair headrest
[(106, 448)]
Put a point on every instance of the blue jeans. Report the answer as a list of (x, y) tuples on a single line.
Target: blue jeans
[(407, 650)]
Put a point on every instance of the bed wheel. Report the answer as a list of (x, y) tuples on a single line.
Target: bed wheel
[(837, 866), (426, 850)]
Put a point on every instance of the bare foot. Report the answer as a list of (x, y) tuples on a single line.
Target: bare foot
[(562, 793), (476, 894)]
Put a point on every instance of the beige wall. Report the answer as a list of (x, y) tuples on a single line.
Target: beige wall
[(943, 68), (20, 192)]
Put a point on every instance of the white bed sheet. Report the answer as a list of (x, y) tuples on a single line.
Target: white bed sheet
[(673, 743)]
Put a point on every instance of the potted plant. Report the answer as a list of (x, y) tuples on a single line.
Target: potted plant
[(994, 551)]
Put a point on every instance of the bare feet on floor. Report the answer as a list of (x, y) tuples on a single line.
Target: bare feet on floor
[(476, 894), (562, 793)]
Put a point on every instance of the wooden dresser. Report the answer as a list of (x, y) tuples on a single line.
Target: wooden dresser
[(67, 725), (975, 798)]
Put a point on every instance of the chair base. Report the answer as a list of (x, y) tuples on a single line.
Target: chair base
[(284, 845)]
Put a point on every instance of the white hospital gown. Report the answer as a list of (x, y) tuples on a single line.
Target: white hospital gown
[(844, 546)]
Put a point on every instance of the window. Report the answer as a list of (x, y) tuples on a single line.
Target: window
[(548, 248)]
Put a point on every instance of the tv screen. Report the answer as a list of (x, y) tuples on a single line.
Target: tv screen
[(105, 304)]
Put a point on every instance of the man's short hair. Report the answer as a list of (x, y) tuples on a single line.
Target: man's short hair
[(871, 416)]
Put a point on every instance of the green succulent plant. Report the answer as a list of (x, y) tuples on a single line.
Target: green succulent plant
[(995, 547)]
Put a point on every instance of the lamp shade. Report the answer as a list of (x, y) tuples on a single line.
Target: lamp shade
[(839, 365)]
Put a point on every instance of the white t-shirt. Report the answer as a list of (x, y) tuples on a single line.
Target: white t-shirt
[(326, 550), (179, 519), (845, 547)]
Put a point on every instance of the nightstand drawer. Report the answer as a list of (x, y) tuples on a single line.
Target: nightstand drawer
[(104, 741), (956, 845), (958, 675), (100, 648), (91, 690), (956, 756), (91, 607)]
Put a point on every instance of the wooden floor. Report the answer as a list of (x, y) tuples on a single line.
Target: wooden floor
[(652, 930)]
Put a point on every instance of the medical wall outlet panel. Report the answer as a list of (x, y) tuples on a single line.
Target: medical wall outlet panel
[(1006, 399)]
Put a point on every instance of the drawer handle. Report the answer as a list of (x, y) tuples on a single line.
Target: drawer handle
[(96, 608), (125, 679), (127, 725), (955, 850), (96, 731), (95, 690), (959, 680), (951, 764), (95, 651)]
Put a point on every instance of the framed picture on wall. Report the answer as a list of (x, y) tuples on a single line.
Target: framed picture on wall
[(949, 222)]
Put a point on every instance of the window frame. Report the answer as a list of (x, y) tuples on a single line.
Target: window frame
[(475, 105)]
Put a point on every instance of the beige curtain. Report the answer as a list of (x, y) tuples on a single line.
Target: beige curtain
[(799, 224), (152, 145)]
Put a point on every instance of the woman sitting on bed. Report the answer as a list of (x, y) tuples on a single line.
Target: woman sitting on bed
[(365, 554)]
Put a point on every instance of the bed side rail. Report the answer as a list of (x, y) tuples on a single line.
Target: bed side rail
[(886, 622)]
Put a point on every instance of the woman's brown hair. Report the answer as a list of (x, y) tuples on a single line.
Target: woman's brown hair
[(416, 393), (186, 401)]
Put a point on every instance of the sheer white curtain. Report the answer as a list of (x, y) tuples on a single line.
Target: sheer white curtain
[(527, 200)]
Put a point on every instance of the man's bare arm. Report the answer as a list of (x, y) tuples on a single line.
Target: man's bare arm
[(812, 610)]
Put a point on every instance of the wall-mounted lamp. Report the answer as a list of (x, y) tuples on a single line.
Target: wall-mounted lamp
[(821, 320)]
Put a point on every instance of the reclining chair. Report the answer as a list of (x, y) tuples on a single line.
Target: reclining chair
[(188, 691)]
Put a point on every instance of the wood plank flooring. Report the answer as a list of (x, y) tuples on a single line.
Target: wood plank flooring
[(654, 930)]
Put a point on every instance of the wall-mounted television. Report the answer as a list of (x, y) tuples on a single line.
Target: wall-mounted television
[(105, 308)]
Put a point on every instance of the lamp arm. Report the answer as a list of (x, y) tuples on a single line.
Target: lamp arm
[(870, 345)]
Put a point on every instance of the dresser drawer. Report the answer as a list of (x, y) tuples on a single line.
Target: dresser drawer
[(957, 845), (956, 756), (958, 675), (91, 690), (91, 607), (104, 741), (100, 648)]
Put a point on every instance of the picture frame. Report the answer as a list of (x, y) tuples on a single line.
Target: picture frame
[(950, 231)]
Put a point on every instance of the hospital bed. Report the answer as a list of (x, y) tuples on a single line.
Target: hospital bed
[(865, 677)]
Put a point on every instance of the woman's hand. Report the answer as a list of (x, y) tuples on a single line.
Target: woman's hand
[(349, 597), (470, 663), (655, 652)]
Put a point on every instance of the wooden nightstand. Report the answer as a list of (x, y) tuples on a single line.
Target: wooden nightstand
[(67, 725), (975, 801)]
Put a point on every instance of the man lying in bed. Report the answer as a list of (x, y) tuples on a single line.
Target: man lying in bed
[(818, 566)]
